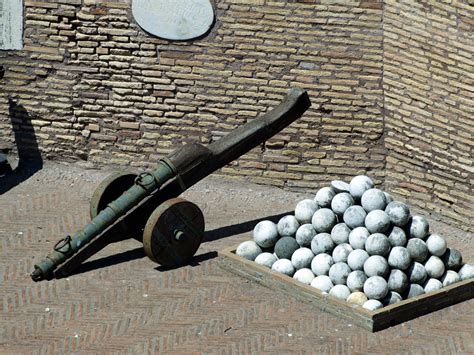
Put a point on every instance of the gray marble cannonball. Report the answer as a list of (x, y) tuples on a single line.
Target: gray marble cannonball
[(283, 266), (436, 244), (287, 226), (397, 281), (377, 244), (466, 272), (340, 186), (354, 217), (432, 285), (357, 237), (322, 283), (399, 258), (323, 220), (266, 259), (376, 265), (397, 237), (304, 275), (355, 280), (357, 258), (322, 243), (434, 267), (375, 287), (372, 305), (324, 197), (301, 258), (305, 234), (340, 233), (357, 298), (417, 249), (285, 247), (377, 221), (341, 252), (341, 202), (360, 184), (417, 273), (265, 234), (414, 290), (391, 298), (321, 264), (418, 227), (248, 250), (450, 277), (373, 199), (398, 212), (338, 273), (340, 291), (452, 259), (304, 210)]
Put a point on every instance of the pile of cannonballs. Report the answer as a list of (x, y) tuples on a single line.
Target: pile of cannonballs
[(354, 242)]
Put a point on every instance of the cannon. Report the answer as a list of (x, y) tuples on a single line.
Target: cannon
[(146, 206)]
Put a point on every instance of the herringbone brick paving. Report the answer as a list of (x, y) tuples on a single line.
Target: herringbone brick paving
[(121, 302)]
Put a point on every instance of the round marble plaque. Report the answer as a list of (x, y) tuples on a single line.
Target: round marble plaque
[(174, 19)]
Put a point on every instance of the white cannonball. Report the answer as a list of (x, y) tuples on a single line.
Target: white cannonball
[(283, 266), (398, 212), (436, 244), (357, 298), (415, 290), (287, 226), (377, 244), (357, 258), (340, 233), (377, 221), (305, 234), (372, 305), (248, 250), (341, 252), (375, 287), (397, 281), (399, 258), (340, 186), (360, 184), (466, 272), (266, 259), (304, 210), (434, 267), (357, 237), (388, 197), (321, 264), (324, 197), (417, 273), (322, 283), (340, 291), (355, 280), (338, 273), (265, 234), (373, 199), (417, 249), (391, 298), (452, 259), (301, 258), (418, 227), (376, 265), (322, 243), (323, 220), (397, 237), (354, 217), (305, 276), (450, 277), (432, 285), (341, 202)]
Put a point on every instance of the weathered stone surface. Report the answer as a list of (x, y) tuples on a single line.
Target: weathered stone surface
[(11, 24)]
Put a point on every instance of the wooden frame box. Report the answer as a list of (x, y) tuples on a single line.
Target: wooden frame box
[(371, 320)]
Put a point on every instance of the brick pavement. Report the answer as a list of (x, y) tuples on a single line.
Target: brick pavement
[(122, 302)]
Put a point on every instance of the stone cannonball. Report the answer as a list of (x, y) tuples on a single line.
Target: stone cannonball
[(324, 197), (338, 273), (340, 186), (340, 233), (354, 217), (397, 281), (432, 285), (377, 244), (305, 276), (355, 280), (391, 298), (414, 290), (417, 249), (436, 244), (341, 202), (357, 237), (434, 267), (373, 199), (302, 258), (418, 227), (248, 250), (305, 234), (323, 220), (357, 258), (283, 266), (397, 237), (321, 264), (357, 298), (266, 259), (265, 234), (452, 259), (358, 185), (377, 221), (285, 247), (376, 265), (399, 258), (287, 226), (340, 291), (322, 243), (466, 272), (450, 277), (417, 273), (398, 212), (304, 210), (322, 283), (375, 287), (372, 305), (341, 252), (388, 197)]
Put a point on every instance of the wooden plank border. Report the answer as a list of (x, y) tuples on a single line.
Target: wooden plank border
[(370, 320)]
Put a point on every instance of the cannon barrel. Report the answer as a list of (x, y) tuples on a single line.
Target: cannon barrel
[(174, 174)]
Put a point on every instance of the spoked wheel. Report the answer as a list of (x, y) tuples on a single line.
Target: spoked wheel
[(173, 232)]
